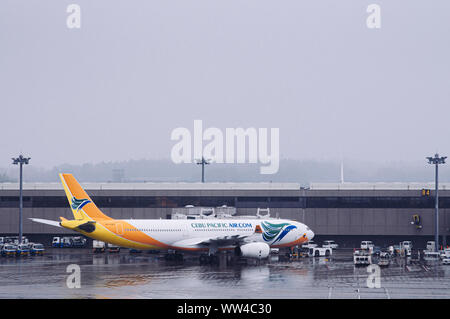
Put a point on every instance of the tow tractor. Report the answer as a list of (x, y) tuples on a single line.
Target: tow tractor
[(320, 252)]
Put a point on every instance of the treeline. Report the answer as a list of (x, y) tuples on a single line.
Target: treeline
[(299, 171)]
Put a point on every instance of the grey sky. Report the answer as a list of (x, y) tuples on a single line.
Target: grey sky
[(116, 88)]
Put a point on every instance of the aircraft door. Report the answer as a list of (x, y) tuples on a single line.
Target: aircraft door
[(185, 229), (119, 228)]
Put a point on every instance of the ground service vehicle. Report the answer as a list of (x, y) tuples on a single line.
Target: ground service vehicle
[(446, 260), (37, 249), (320, 252), (78, 242), (22, 250), (113, 248), (367, 244), (330, 244), (66, 242), (431, 245), (385, 259), (309, 244), (406, 244), (362, 258), (56, 242), (9, 250), (98, 246)]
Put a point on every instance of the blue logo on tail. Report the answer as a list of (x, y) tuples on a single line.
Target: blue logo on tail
[(78, 204)]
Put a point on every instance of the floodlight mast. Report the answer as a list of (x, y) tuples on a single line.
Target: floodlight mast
[(436, 160), (203, 162), (21, 160)]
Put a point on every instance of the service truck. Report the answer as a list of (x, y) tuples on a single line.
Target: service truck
[(98, 246)]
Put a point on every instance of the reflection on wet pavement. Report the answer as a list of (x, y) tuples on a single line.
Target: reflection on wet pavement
[(147, 276)]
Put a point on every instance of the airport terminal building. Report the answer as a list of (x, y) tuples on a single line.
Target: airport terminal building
[(347, 213)]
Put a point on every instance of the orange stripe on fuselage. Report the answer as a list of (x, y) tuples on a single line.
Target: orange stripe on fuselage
[(299, 241)]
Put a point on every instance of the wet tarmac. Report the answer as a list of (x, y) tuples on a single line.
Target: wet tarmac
[(124, 275)]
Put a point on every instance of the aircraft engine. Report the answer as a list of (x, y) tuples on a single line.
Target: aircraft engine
[(253, 250)]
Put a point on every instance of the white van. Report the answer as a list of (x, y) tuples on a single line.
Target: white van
[(430, 245), (309, 244), (330, 244)]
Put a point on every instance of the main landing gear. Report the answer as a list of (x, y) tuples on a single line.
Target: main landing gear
[(209, 259), (173, 257)]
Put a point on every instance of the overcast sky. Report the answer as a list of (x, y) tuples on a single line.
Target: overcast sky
[(116, 88)]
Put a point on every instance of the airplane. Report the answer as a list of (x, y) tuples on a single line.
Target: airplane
[(251, 238)]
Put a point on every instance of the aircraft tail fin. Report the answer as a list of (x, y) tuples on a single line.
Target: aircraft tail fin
[(80, 203)]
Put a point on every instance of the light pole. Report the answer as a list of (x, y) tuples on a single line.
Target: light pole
[(20, 160), (436, 160), (203, 162)]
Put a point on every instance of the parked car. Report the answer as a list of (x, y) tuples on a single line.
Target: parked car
[(9, 250), (37, 249), (330, 244)]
